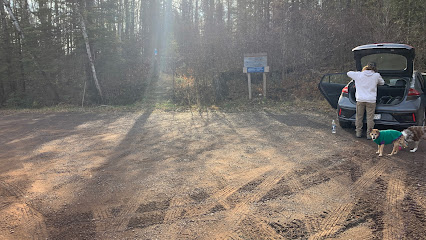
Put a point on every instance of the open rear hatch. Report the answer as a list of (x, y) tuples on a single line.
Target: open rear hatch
[(391, 59), (395, 62)]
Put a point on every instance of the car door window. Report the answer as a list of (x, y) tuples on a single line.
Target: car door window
[(331, 86), (340, 78), (422, 78)]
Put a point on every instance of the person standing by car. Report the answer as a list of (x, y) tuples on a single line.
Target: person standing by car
[(366, 83)]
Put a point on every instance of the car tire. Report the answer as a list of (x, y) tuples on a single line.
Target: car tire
[(345, 124)]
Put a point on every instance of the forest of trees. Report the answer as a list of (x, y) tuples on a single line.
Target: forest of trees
[(54, 51)]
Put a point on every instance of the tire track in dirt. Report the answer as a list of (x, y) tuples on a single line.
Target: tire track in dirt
[(421, 201), (298, 183), (32, 220), (130, 212), (220, 197), (115, 219), (334, 220), (315, 173), (267, 185), (313, 224), (393, 222), (289, 184), (34, 223), (236, 215), (103, 219), (312, 174), (14, 191), (173, 213), (175, 209), (295, 185), (255, 226), (179, 208), (414, 217)]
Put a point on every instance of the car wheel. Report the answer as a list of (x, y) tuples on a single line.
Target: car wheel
[(345, 124)]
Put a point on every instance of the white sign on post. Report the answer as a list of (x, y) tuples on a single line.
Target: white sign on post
[(256, 63)]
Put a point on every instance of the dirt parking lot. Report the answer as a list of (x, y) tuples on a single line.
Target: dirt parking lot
[(150, 174), (167, 175)]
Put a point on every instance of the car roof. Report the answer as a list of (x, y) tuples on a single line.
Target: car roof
[(383, 46)]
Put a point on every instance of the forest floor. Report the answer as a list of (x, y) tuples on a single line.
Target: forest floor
[(153, 174)]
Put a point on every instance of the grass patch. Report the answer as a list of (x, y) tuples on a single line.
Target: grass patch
[(236, 105), (259, 104)]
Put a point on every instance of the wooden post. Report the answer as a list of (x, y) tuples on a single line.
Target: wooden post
[(173, 77), (264, 85), (84, 93), (249, 84)]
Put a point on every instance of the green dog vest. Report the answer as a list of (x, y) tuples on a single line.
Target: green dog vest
[(387, 137)]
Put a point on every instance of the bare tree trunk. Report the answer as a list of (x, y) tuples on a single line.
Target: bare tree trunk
[(132, 20), (120, 21), (32, 56), (126, 19), (15, 22), (7, 48), (229, 12), (89, 52), (196, 17)]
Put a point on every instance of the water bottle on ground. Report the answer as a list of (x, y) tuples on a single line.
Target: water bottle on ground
[(333, 126)]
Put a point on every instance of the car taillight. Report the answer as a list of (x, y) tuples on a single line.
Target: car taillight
[(345, 90), (413, 92), (414, 117)]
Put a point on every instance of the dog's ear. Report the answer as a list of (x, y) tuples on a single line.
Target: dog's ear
[(370, 130)]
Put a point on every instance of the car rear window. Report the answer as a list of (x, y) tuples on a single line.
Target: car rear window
[(397, 82), (386, 61)]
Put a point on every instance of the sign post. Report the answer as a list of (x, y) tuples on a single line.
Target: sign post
[(256, 63)]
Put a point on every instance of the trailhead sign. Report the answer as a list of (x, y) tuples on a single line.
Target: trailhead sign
[(256, 63)]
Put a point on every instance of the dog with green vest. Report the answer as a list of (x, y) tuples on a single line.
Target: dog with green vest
[(385, 137)]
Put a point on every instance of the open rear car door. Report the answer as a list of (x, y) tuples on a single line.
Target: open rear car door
[(331, 86)]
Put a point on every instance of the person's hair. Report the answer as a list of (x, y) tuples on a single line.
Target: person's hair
[(370, 66)]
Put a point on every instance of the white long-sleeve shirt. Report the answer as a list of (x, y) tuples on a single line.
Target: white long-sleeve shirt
[(366, 85)]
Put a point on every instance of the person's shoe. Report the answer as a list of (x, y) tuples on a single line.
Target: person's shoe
[(368, 137), (358, 135)]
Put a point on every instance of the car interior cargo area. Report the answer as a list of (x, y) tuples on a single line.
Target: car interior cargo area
[(391, 93)]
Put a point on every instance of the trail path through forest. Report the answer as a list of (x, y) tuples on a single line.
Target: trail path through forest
[(151, 174)]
